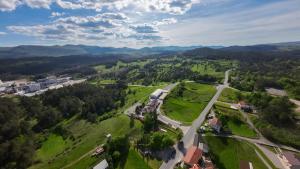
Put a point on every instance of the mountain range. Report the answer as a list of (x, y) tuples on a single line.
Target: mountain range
[(66, 50)]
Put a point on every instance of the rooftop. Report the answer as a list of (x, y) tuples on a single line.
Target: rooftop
[(192, 156)]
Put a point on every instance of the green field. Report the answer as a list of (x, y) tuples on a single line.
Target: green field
[(228, 152), (119, 65), (140, 93), (87, 137), (188, 107), (231, 95), (241, 129), (135, 161), (234, 121)]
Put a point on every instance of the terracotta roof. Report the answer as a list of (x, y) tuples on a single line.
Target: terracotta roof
[(192, 156), (291, 157)]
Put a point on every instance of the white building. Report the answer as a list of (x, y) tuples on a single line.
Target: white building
[(156, 94), (102, 165)]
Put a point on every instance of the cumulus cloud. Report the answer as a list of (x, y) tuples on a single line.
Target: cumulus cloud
[(38, 3), (144, 28), (165, 6), (103, 26), (9, 5), (166, 21)]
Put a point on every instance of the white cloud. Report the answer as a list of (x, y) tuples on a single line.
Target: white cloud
[(38, 3), (9, 5), (2, 33), (167, 21), (164, 6), (57, 14)]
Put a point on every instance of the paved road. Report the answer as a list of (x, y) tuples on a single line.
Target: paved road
[(161, 117), (271, 155), (188, 138), (170, 87)]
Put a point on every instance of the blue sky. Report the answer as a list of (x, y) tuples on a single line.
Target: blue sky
[(138, 23)]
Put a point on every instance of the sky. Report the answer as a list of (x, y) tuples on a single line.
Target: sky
[(140, 23)]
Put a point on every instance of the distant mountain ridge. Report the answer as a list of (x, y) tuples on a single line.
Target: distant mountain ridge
[(67, 50), (56, 51)]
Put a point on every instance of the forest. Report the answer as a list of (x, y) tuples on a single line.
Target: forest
[(24, 119)]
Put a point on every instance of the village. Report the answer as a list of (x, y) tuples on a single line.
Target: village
[(23, 87)]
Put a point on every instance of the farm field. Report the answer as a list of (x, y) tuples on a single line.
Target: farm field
[(186, 108), (87, 137), (228, 152)]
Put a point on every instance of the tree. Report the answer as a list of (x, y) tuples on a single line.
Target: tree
[(131, 124), (159, 141), (179, 135)]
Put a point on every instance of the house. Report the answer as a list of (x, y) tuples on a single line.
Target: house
[(102, 165), (193, 155), (246, 165), (291, 160), (215, 124), (245, 107)]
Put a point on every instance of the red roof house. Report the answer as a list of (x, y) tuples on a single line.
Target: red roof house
[(192, 156)]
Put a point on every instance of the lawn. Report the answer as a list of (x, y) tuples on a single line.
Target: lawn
[(188, 107), (228, 152), (87, 137), (135, 161), (241, 129)]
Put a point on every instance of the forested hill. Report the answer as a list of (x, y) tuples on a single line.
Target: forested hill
[(55, 51)]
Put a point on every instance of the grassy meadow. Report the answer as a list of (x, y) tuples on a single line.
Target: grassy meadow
[(57, 153), (228, 152), (188, 107)]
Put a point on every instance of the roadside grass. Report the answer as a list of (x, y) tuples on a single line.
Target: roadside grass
[(265, 157), (230, 95), (87, 137), (227, 153), (188, 107)]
